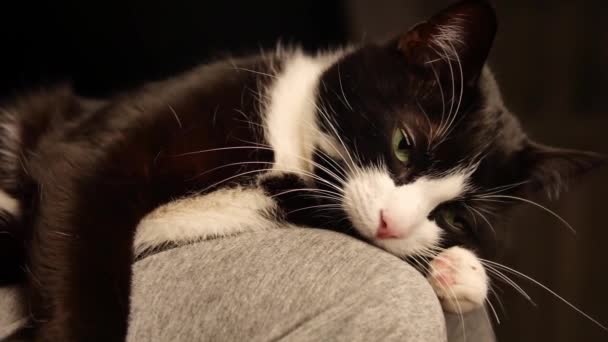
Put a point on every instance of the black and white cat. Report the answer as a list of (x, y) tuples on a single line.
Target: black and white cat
[(403, 144)]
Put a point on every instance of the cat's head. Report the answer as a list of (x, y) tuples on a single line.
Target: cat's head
[(425, 144)]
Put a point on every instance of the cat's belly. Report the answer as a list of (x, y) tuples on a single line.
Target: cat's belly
[(223, 212)]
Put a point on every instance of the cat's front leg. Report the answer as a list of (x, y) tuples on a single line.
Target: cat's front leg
[(459, 280)]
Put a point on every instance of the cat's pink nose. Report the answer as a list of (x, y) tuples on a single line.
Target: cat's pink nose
[(385, 230)]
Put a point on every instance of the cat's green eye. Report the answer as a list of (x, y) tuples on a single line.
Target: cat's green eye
[(401, 145), (449, 217)]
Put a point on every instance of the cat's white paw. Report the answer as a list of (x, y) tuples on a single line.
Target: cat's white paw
[(459, 280)]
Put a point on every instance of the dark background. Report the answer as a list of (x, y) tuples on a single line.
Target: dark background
[(550, 57)]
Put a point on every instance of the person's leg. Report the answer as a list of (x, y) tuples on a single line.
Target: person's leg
[(290, 284), (294, 284), (12, 312)]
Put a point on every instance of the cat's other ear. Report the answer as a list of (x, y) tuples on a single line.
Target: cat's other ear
[(551, 169), (459, 36)]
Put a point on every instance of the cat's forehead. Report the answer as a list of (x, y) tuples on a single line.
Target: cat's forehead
[(379, 81), (449, 120)]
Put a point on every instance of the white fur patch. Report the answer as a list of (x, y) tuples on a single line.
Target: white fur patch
[(9, 203), (407, 207), (220, 213), (459, 280), (291, 115), (291, 130)]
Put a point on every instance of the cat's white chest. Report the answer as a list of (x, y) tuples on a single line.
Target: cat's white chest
[(224, 212)]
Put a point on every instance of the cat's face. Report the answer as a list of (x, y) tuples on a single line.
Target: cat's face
[(425, 145)]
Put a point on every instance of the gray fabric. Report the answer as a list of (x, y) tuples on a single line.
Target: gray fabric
[(289, 285), (12, 316), (474, 326)]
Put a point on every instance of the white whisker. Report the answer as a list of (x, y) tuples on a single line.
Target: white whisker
[(320, 206), (321, 191), (328, 120), (342, 89), (461, 87), (253, 71), (505, 279), (534, 281), (554, 214), (493, 312), (482, 216), (179, 122)]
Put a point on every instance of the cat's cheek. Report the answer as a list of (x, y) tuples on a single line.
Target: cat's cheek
[(459, 280)]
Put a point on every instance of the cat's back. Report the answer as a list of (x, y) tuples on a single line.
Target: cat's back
[(177, 135)]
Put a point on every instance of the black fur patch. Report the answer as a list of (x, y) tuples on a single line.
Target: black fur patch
[(91, 170)]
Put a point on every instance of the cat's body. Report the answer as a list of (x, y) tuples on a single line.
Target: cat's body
[(105, 168), (399, 144)]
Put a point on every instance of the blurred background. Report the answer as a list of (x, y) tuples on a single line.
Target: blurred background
[(551, 58)]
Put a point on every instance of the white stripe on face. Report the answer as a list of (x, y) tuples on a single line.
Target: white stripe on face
[(375, 204)]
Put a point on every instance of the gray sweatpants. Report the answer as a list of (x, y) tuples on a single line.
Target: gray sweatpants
[(289, 285)]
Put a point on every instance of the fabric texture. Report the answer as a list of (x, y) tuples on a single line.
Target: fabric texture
[(281, 285), (12, 313)]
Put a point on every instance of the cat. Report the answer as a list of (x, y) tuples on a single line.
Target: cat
[(402, 144)]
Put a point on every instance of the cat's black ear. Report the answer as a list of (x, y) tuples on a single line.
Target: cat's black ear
[(460, 35), (550, 169)]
